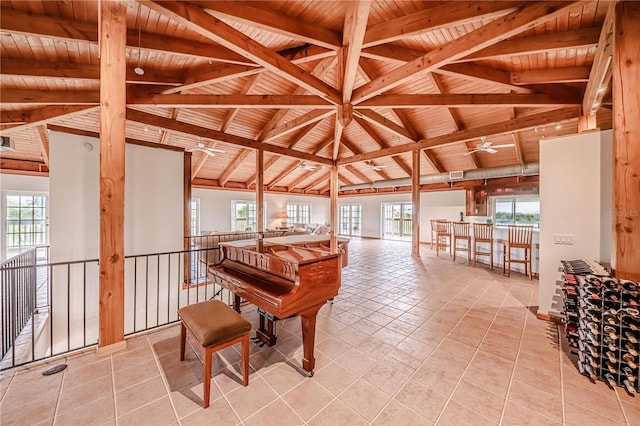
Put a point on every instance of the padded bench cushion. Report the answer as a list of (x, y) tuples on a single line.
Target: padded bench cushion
[(213, 322)]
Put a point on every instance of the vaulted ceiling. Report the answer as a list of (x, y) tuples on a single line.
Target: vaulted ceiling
[(352, 83)]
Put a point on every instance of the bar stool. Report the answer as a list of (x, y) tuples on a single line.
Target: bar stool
[(482, 234), (215, 326), (520, 237), (434, 233), (461, 232), (443, 235)]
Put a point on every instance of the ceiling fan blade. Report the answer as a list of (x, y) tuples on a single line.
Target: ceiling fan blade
[(222, 151), (209, 153), (472, 152), (484, 145), (506, 145), (491, 150)]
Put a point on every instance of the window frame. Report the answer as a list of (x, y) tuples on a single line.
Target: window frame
[(514, 201), (350, 216), (294, 212), (39, 233)]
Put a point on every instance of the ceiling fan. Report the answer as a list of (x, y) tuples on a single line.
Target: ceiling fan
[(372, 166), (204, 148), (305, 166), (485, 146)]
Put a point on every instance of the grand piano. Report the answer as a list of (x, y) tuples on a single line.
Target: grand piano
[(283, 277)]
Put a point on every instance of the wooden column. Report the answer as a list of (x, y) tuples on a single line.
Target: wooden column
[(113, 32), (334, 208), (260, 189), (626, 141), (415, 201), (186, 182)]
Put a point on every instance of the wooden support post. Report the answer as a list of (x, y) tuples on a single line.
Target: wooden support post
[(334, 208), (186, 180), (586, 123), (113, 38), (260, 189), (415, 200), (626, 141)]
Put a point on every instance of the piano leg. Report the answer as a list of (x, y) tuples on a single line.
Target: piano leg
[(236, 303), (308, 319), (266, 332)]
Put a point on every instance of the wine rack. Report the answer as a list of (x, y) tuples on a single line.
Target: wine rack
[(602, 323)]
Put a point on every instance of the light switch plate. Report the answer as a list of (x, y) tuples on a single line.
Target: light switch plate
[(566, 239)]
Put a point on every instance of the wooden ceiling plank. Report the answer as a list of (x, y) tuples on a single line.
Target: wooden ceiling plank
[(257, 14), (304, 176), (402, 164), (517, 140), (191, 129), (357, 173), (267, 165), (302, 134), (202, 161), (435, 18), (233, 166), (383, 122), (432, 161), (165, 134), (196, 19), (500, 29), (460, 100), (519, 123), (60, 29), (297, 123), (286, 172), (600, 75), (322, 145), (573, 39), (230, 115), (43, 142), (39, 116), (321, 179), (551, 75)]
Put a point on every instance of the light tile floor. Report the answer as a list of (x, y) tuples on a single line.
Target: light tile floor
[(407, 342)]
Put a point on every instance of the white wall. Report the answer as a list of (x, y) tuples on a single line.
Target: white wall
[(215, 207), (433, 205), (575, 199)]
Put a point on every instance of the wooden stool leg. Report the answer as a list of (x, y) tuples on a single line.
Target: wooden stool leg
[(208, 355), (245, 359), (183, 340), (491, 255)]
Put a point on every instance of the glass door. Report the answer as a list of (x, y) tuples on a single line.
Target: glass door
[(350, 220), (396, 221)]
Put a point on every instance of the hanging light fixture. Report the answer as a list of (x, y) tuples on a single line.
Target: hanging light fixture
[(138, 70)]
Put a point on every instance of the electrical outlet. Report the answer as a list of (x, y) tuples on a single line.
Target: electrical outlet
[(566, 239)]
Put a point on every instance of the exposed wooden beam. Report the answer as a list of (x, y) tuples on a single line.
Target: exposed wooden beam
[(224, 101), (35, 117), (230, 115), (460, 100), (304, 176), (402, 164), (165, 134), (86, 72), (260, 207), (626, 147), (432, 161), (355, 24), (322, 145), (357, 173), (434, 18), (49, 97), (302, 134), (551, 75), (500, 29), (23, 167), (415, 204), (228, 171), (383, 122), (297, 123), (60, 29), (112, 175), (319, 70), (337, 138), (196, 19), (600, 75), (259, 15), (324, 178), (191, 129), (572, 39), (519, 123), (43, 142)]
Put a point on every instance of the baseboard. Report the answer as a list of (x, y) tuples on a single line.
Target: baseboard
[(548, 318), (111, 349)]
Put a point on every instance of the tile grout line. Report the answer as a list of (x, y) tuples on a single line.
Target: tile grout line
[(560, 351), (450, 397), (164, 380), (113, 387)]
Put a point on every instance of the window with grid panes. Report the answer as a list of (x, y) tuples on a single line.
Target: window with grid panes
[(298, 213)]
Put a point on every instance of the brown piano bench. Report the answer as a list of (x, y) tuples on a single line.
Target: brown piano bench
[(215, 326)]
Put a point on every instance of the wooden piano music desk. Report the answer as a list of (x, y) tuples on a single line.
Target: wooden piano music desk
[(282, 280)]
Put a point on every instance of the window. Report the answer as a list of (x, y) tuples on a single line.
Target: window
[(350, 220), (195, 216), (517, 210), (396, 221), (243, 216), (298, 213), (25, 222)]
